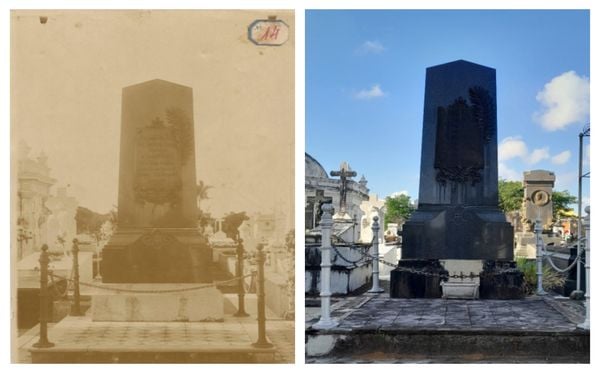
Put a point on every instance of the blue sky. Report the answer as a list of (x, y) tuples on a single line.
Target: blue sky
[(365, 79)]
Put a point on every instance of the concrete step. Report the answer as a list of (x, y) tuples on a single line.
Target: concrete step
[(451, 346), (81, 340), (377, 328)]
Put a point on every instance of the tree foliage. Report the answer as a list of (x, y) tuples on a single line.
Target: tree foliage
[(561, 202), (398, 209), (89, 221), (510, 195)]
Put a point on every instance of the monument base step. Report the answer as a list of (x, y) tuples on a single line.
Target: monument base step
[(377, 328), (81, 340), (416, 278), (63, 356), (156, 302), (442, 346)]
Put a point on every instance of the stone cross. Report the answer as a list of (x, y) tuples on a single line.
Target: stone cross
[(344, 173), (317, 202)]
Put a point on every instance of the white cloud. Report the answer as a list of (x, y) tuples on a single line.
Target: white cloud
[(369, 46), (512, 147), (515, 147), (565, 100), (538, 155), (367, 94), (507, 173), (561, 158)]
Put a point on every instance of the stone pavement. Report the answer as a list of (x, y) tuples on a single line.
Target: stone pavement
[(232, 338), (366, 320)]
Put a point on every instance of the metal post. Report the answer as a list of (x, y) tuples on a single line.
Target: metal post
[(326, 223), (239, 272), (262, 341), (584, 133), (586, 223), (375, 228), (580, 181), (43, 342), (539, 256), (76, 307)]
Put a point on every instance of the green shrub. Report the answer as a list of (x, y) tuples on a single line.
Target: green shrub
[(551, 279)]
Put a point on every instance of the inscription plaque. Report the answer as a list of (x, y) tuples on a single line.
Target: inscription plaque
[(157, 165)]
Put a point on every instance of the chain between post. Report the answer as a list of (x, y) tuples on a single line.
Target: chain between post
[(120, 290), (366, 256)]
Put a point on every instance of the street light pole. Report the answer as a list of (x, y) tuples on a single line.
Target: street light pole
[(582, 134), (586, 323)]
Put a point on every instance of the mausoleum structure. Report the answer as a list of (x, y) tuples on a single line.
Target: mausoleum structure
[(33, 190), (349, 272), (319, 188)]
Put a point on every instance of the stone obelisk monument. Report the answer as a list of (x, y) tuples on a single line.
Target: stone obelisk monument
[(458, 226), (157, 238)]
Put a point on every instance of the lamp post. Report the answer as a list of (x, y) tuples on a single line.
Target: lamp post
[(586, 223), (582, 134)]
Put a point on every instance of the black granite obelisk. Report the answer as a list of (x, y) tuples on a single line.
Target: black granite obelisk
[(458, 215)]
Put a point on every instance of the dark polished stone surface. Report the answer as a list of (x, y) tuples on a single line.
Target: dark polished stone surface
[(501, 280), (457, 232), (458, 215), (417, 279)]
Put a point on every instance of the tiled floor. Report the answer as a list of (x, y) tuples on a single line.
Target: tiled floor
[(234, 334), (382, 312), (376, 328)]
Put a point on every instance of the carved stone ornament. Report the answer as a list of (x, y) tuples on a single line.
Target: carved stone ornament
[(157, 240), (540, 198)]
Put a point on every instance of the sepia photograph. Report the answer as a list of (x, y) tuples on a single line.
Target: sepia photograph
[(447, 186), (152, 186)]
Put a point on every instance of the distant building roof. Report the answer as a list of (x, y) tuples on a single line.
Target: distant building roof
[(312, 168)]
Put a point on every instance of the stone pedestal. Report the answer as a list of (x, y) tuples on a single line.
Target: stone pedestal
[(156, 256), (501, 279), (457, 232), (108, 305), (414, 278)]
